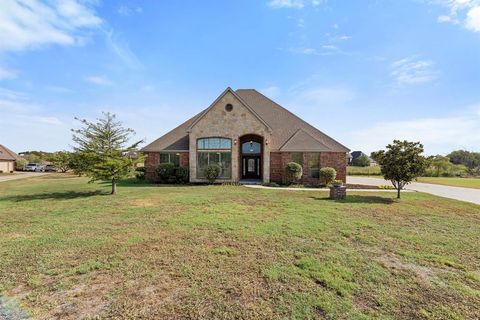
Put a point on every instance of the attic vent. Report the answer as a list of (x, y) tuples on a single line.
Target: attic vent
[(229, 107)]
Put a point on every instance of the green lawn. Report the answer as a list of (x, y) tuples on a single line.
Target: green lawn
[(456, 182), (69, 251)]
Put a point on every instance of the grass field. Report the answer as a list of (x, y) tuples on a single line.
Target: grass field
[(456, 182), (363, 171), (70, 251)]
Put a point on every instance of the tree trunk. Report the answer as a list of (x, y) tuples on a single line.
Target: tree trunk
[(398, 192), (114, 187)]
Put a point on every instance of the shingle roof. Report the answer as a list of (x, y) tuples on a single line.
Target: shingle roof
[(289, 132), (285, 124), (7, 154)]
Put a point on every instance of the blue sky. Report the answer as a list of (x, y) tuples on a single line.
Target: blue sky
[(364, 72)]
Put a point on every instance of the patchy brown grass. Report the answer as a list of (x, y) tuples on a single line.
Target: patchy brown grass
[(69, 251)]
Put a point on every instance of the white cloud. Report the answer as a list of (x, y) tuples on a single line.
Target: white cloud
[(473, 19), (466, 12), (439, 135), (21, 120), (276, 4), (99, 80), (6, 73), (31, 24), (412, 70), (126, 11), (296, 4)]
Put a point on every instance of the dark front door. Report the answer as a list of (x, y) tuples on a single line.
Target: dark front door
[(251, 167)]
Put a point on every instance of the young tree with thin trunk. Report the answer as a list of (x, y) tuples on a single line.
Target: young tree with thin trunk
[(103, 150), (401, 162)]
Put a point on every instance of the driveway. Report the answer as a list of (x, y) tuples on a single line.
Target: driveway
[(21, 175), (457, 193)]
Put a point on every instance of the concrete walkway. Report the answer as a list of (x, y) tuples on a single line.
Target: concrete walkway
[(21, 175), (457, 193)]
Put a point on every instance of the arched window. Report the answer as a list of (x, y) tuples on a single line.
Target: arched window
[(214, 151), (251, 147)]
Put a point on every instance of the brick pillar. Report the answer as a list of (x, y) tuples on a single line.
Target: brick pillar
[(151, 163)]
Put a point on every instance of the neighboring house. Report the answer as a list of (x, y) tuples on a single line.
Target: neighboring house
[(7, 159), (251, 138), (355, 154)]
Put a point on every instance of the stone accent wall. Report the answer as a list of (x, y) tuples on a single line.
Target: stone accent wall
[(279, 160), (234, 124), (152, 161)]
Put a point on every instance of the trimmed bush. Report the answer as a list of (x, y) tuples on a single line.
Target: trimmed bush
[(140, 173), (327, 175), (212, 172), (165, 171), (294, 171), (181, 174)]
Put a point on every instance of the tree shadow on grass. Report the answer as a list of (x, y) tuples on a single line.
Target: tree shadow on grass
[(360, 199), (68, 195)]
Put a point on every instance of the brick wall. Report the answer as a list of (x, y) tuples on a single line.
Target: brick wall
[(151, 163), (279, 160), (153, 159), (336, 160)]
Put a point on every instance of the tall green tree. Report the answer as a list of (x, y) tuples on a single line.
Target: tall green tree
[(103, 150), (401, 162), (61, 160), (361, 161)]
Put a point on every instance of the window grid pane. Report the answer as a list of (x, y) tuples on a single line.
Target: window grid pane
[(314, 164), (297, 157), (214, 143)]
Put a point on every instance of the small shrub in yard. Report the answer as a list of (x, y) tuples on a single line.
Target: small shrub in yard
[(165, 171), (212, 172), (294, 172), (140, 173), (327, 175), (181, 174), (20, 164)]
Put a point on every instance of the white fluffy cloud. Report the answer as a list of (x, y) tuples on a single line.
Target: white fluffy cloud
[(412, 70), (466, 12), (473, 19), (29, 24)]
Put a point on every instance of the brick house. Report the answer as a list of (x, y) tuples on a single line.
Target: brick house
[(251, 138)]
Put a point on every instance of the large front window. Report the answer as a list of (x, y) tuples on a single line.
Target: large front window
[(214, 151), (314, 164), (170, 157)]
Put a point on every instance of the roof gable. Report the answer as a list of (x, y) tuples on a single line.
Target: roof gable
[(301, 141), (7, 154), (229, 90), (284, 123)]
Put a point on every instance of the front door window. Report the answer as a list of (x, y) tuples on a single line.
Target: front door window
[(251, 167)]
